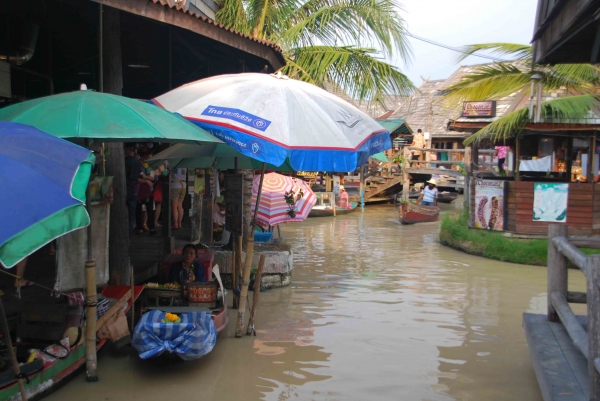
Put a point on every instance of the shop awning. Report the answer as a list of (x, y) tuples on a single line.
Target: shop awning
[(396, 126)]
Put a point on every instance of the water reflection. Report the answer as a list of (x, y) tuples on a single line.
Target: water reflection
[(376, 311)]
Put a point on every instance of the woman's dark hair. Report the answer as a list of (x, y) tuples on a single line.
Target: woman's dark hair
[(188, 246)]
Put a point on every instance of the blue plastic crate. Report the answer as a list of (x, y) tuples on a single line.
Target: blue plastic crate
[(262, 237)]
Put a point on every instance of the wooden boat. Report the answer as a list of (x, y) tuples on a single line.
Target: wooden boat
[(411, 213), (43, 382), (447, 197), (322, 211)]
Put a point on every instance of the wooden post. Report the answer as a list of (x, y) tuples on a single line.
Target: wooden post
[(91, 299), (333, 202), (593, 329), (11, 351), (257, 281), (248, 262), (569, 158), (517, 158), (590, 161), (557, 268), (119, 263), (237, 268)]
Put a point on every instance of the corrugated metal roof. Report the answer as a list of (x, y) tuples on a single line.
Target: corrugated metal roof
[(174, 5)]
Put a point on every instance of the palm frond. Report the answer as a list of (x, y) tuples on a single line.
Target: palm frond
[(567, 110), (233, 15), (488, 82), (347, 22), (581, 77), (356, 70), (514, 51)]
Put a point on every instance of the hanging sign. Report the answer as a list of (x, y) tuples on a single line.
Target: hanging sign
[(550, 202), (489, 204), (479, 109), (234, 203)]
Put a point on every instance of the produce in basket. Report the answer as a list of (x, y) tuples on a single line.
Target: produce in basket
[(171, 318)]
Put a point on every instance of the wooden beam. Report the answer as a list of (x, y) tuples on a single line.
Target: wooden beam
[(569, 321), (113, 310), (593, 242), (569, 250), (576, 297)]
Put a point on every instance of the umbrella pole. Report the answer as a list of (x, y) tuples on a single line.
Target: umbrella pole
[(261, 265), (239, 331), (11, 351)]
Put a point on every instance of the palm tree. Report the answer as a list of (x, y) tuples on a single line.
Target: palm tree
[(494, 81), (322, 41)]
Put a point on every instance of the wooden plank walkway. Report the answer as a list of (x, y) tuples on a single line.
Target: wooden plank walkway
[(561, 370)]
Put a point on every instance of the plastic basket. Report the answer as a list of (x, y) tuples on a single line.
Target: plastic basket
[(262, 237)]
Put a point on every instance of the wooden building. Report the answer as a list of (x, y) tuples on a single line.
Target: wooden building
[(134, 48)]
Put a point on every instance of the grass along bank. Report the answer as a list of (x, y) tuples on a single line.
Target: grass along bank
[(454, 232)]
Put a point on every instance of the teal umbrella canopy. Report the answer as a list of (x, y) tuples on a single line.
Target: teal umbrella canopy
[(219, 156), (104, 117)]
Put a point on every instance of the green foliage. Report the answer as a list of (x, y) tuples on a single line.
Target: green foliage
[(497, 80), (322, 40), (455, 233)]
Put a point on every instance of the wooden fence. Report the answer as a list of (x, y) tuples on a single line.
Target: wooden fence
[(561, 249)]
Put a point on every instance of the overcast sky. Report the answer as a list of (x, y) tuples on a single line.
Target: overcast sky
[(461, 22)]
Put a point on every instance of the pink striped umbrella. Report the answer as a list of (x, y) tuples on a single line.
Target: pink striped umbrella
[(273, 209)]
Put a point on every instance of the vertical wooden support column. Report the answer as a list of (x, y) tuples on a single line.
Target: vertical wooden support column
[(557, 268), (517, 158), (593, 329), (91, 299), (590, 162)]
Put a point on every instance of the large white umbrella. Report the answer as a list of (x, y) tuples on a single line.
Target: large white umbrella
[(271, 117)]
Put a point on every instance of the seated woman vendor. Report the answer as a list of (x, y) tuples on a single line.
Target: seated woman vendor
[(188, 270)]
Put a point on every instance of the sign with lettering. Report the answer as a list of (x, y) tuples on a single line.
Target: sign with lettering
[(239, 116), (489, 204), (479, 109)]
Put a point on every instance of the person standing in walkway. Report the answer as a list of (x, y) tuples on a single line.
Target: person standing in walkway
[(430, 193), (178, 184), (418, 142), (501, 152)]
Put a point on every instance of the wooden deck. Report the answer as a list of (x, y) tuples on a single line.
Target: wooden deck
[(561, 370)]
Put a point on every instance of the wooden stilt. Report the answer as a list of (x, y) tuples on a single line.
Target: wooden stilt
[(11, 351), (239, 331), (257, 280), (91, 299)]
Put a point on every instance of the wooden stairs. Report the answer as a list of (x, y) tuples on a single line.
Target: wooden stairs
[(375, 186)]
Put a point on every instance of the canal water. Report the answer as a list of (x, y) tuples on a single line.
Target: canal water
[(376, 311)]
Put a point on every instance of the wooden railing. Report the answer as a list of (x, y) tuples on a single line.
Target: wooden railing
[(561, 249)]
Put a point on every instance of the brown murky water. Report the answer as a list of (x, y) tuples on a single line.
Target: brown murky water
[(377, 311)]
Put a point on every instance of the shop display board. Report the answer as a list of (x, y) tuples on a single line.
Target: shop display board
[(550, 202), (490, 204)]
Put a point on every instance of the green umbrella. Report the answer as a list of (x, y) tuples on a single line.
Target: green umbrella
[(219, 156), (381, 157), (102, 116)]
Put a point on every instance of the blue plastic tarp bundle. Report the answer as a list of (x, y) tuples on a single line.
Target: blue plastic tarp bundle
[(192, 338)]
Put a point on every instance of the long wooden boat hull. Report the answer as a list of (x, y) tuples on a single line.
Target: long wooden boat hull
[(51, 378), (411, 213), (317, 212), (447, 197)]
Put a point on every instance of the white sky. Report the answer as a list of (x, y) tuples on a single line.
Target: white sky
[(457, 23)]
